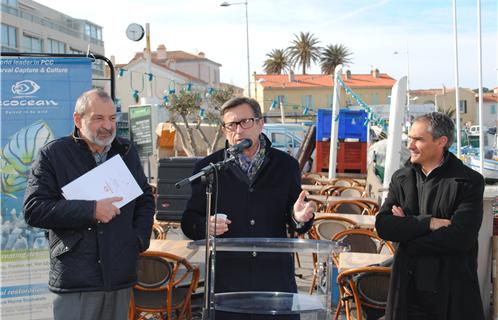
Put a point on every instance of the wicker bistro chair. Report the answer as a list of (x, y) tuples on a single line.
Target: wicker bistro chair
[(362, 240), (366, 288), (161, 286), (350, 192), (329, 190), (365, 206), (158, 232), (324, 228)]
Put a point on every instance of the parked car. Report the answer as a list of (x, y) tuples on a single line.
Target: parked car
[(286, 137)]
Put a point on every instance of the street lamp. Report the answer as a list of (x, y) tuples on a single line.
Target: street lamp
[(407, 80), (226, 4)]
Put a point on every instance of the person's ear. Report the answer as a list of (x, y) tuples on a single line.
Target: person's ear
[(443, 140), (77, 120)]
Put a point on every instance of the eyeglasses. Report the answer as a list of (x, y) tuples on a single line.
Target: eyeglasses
[(244, 124)]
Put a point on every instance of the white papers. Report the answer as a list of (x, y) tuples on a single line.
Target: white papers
[(110, 179)]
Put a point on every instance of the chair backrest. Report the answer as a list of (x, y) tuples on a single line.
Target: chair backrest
[(368, 286), (153, 272), (158, 232), (165, 284), (328, 226), (372, 206), (346, 206), (373, 288), (350, 192), (329, 190), (343, 182), (362, 240), (311, 177)]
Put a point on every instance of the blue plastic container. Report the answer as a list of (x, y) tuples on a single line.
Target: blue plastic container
[(351, 125), (323, 124)]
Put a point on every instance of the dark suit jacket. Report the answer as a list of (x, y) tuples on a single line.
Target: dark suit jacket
[(262, 208)]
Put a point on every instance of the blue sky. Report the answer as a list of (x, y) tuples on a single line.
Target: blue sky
[(373, 30)]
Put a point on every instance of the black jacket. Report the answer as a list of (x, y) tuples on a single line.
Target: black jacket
[(444, 260), (262, 208), (86, 255)]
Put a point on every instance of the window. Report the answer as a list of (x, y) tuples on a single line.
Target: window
[(281, 100), (375, 98), (9, 38), (307, 101), (31, 44), (463, 106), (55, 46), (330, 100), (93, 31), (12, 3)]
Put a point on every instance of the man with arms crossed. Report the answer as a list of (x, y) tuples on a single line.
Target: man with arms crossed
[(433, 210)]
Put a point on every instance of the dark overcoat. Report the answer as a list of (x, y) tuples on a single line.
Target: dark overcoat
[(86, 255), (445, 259), (258, 208)]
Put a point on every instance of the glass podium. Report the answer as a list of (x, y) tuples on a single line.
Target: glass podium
[(277, 303)]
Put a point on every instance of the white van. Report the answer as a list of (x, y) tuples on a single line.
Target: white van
[(474, 130)]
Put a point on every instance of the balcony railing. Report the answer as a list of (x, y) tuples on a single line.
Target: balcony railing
[(49, 24)]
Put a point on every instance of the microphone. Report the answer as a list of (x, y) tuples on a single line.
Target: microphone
[(239, 147)]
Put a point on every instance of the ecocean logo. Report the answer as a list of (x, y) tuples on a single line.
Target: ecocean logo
[(23, 96), (25, 88)]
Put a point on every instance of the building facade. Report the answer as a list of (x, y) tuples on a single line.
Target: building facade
[(444, 101), (28, 26), (295, 93), (169, 70)]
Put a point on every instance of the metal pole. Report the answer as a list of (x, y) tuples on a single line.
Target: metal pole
[(282, 112), (457, 91), (148, 58), (248, 63), (408, 84), (334, 126), (479, 69)]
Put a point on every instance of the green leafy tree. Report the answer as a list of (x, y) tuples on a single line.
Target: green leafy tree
[(334, 55), (304, 50), (277, 62), (450, 112), (185, 108)]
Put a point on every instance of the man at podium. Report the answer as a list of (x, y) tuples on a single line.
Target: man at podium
[(261, 195)]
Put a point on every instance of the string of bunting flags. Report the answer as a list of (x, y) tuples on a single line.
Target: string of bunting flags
[(373, 117), (171, 89)]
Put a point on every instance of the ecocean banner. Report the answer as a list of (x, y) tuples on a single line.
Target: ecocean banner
[(36, 106)]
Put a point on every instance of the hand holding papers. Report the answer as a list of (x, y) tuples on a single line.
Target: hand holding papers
[(110, 179)]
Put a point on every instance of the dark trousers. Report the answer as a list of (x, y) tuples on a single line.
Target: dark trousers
[(422, 305), (239, 316), (102, 305)]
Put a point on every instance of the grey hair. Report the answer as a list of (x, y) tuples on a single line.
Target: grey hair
[(84, 100), (237, 101), (440, 125)]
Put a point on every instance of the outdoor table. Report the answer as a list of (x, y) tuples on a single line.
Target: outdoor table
[(363, 221), (349, 260)]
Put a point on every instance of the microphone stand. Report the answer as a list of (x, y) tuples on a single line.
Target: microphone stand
[(206, 174)]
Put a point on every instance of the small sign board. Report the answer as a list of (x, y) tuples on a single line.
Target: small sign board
[(140, 124)]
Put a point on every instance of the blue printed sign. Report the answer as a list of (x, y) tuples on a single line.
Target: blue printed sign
[(36, 106)]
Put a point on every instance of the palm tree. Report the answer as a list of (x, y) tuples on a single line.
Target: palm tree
[(334, 55), (277, 62), (304, 50)]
